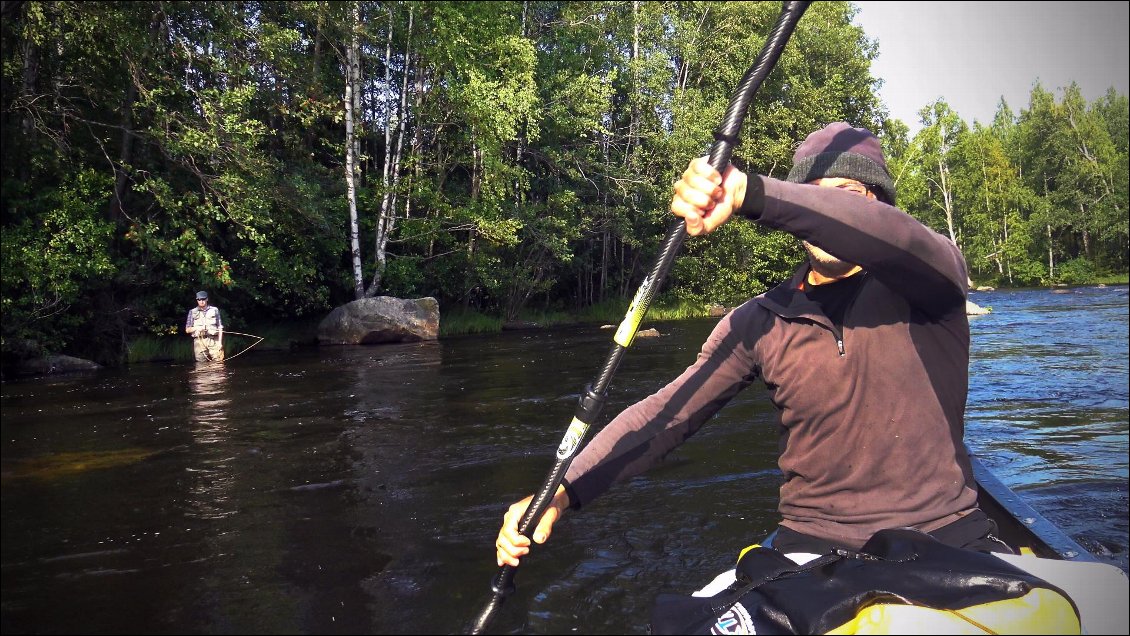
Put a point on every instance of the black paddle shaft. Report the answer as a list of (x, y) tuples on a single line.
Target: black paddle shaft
[(592, 399)]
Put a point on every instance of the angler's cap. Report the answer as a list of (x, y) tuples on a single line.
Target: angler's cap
[(838, 150), (201, 295)]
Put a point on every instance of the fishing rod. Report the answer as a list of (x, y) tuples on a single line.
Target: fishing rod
[(592, 398), (236, 333)]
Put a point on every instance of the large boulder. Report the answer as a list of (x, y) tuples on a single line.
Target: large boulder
[(53, 364), (381, 319)]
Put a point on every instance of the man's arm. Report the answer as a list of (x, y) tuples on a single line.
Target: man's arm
[(919, 264), (644, 433)]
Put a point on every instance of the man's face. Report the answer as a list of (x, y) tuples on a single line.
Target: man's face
[(842, 183), (823, 261), (201, 303)]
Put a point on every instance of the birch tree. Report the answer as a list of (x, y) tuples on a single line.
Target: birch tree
[(352, 102), (941, 132), (391, 169)]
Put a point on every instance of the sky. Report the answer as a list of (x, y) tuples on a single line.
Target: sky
[(973, 53)]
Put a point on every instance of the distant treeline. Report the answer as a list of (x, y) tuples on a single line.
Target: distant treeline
[(501, 156)]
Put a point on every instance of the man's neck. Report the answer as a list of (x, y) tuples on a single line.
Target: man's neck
[(815, 277)]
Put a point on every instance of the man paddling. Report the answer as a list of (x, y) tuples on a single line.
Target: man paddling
[(864, 351)]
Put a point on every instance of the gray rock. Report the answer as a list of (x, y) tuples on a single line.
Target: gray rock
[(53, 364), (381, 319), (973, 309)]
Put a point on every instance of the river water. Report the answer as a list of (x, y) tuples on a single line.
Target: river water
[(359, 489)]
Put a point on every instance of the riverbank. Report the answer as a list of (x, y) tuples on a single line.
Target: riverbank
[(453, 323), (458, 322)]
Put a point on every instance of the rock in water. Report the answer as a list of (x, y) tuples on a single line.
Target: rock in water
[(973, 309), (381, 319)]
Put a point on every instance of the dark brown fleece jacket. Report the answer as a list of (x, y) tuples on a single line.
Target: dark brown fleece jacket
[(871, 415)]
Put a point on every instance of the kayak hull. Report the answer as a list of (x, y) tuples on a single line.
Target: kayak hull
[(1019, 525)]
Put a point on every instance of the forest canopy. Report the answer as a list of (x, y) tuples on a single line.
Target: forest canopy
[(499, 156)]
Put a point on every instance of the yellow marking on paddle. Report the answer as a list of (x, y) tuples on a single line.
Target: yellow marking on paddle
[(626, 333), (572, 440)]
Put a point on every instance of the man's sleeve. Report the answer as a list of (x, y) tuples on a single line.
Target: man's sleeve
[(640, 436), (916, 262)]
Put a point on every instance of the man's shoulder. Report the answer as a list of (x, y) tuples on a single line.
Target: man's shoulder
[(780, 295), (753, 309)]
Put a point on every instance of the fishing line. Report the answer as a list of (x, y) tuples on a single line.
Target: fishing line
[(236, 333)]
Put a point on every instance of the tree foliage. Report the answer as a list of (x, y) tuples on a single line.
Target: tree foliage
[(508, 156), (1034, 198)]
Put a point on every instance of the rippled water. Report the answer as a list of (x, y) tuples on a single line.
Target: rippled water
[(358, 489), (1048, 406)]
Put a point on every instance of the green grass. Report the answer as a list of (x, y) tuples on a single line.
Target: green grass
[(149, 348), (678, 310), (1096, 279), (456, 322), (281, 337), (666, 309), (1113, 279), (460, 322), (178, 347)]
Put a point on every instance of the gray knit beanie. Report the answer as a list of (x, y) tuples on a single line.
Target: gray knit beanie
[(838, 150)]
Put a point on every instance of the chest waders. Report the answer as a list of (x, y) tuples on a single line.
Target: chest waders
[(206, 347)]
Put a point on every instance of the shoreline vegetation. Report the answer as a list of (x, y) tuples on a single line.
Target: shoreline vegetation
[(465, 323), (453, 323), (488, 156)]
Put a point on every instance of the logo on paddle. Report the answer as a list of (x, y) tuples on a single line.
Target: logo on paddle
[(572, 439)]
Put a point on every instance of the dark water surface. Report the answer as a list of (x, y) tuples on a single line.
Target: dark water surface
[(359, 489)]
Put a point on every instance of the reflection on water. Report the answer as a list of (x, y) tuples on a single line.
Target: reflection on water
[(358, 489), (208, 383), (58, 465), (212, 477)]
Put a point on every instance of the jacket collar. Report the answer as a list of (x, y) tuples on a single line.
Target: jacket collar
[(788, 301)]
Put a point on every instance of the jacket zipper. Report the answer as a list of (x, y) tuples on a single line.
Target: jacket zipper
[(839, 340), (835, 334)]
